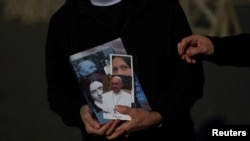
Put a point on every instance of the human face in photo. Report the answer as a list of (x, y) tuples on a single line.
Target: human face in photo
[(120, 67), (116, 84), (96, 90)]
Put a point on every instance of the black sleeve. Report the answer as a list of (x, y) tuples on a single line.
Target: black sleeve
[(230, 50), (64, 94)]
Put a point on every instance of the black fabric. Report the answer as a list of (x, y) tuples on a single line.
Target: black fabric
[(150, 31), (231, 50)]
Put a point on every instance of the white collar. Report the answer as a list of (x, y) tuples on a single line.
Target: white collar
[(104, 2)]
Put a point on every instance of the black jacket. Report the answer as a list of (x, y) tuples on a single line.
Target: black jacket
[(231, 50), (150, 31)]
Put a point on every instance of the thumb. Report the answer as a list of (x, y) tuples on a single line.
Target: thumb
[(122, 109)]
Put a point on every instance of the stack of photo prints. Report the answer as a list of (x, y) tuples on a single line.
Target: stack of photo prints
[(106, 77)]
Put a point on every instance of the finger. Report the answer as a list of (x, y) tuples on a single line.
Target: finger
[(88, 119), (119, 131), (93, 123), (104, 128), (116, 134), (193, 51), (113, 127), (190, 60), (101, 131), (181, 47), (193, 61), (183, 57)]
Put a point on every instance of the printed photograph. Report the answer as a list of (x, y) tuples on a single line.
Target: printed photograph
[(121, 86)]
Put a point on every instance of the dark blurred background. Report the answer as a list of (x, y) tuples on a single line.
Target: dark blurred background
[(24, 110)]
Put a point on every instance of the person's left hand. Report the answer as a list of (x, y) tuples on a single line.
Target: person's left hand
[(140, 119), (93, 127)]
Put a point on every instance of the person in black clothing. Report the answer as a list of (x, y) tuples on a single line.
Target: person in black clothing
[(150, 31), (230, 50)]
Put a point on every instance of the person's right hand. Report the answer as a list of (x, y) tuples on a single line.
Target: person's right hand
[(93, 127), (140, 119), (194, 45)]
